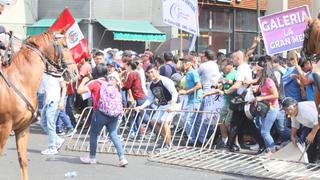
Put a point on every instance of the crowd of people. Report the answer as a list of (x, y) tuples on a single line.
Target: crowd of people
[(268, 97)]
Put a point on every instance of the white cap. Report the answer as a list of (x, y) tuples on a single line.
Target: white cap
[(4, 2)]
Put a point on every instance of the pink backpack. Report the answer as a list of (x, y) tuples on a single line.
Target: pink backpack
[(110, 101)]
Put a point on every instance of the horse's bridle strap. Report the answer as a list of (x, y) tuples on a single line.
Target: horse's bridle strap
[(43, 57)]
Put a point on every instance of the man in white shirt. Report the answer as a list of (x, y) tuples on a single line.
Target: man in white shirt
[(53, 102), (209, 71), (304, 117)]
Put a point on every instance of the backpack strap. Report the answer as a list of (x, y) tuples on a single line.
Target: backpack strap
[(173, 70)]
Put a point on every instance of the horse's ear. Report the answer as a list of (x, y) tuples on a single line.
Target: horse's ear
[(308, 19)]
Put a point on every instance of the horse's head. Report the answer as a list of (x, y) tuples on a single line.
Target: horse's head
[(309, 49), (55, 53)]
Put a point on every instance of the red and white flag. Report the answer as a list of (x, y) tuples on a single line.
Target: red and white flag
[(76, 42)]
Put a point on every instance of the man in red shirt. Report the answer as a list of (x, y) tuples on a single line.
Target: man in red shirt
[(136, 96)]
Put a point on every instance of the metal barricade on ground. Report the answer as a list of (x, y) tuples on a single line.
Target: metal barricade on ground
[(236, 163), (142, 133)]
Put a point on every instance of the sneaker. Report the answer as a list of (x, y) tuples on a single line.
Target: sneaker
[(254, 147), (61, 133), (71, 132), (123, 162), (88, 160), (50, 151), (60, 142)]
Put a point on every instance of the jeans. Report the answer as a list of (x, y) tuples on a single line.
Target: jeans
[(266, 125), (195, 128), (70, 110), (283, 130), (97, 124), (49, 116), (135, 123), (63, 118), (40, 97)]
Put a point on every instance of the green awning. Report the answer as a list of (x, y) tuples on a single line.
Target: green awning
[(41, 26), (132, 30)]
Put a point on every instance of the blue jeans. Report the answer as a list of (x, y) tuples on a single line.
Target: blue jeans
[(40, 97), (63, 118), (284, 131), (194, 126), (97, 124), (266, 125), (135, 123), (49, 116), (70, 110)]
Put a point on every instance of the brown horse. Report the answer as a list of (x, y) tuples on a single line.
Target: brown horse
[(37, 54), (311, 49)]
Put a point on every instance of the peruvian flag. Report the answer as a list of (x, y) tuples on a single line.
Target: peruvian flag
[(75, 40)]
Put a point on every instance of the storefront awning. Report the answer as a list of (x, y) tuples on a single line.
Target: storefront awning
[(41, 26), (129, 30)]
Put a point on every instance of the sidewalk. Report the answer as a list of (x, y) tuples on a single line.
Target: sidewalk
[(54, 167)]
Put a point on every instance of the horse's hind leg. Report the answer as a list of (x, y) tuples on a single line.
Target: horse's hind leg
[(22, 138), (5, 129)]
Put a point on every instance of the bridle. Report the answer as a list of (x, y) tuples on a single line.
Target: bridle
[(55, 67)]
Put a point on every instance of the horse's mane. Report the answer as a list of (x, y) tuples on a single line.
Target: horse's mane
[(39, 39)]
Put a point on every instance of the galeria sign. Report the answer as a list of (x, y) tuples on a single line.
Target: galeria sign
[(284, 31)]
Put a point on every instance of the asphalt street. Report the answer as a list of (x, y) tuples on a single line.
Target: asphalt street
[(54, 167)]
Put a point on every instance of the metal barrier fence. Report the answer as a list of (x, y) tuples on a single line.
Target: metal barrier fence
[(141, 135), (248, 165)]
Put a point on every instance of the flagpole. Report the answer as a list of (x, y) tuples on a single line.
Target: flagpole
[(258, 29), (90, 36), (181, 40)]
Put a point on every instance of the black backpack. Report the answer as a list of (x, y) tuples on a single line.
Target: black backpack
[(281, 86)]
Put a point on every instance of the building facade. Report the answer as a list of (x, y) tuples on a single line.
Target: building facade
[(227, 26)]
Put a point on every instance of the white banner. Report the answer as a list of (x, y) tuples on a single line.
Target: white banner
[(213, 104), (182, 14)]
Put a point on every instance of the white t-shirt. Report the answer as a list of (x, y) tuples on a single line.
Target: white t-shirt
[(244, 73), (307, 115), (143, 80), (52, 88), (209, 74)]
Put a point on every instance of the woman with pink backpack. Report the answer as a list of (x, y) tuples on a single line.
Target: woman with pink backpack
[(102, 90)]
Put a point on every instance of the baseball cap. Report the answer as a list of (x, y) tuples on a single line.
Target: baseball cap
[(176, 78), (127, 53), (287, 102)]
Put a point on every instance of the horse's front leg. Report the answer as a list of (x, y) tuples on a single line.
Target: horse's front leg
[(5, 129), (22, 141)]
